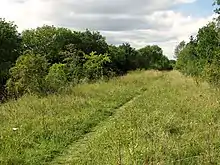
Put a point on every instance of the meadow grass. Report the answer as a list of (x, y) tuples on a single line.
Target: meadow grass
[(173, 121), (35, 130), (145, 117)]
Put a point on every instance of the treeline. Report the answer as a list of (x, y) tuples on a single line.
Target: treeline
[(45, 59), (200, 57)]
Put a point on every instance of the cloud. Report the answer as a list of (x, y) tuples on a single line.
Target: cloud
[(139, 22), (175, 27)]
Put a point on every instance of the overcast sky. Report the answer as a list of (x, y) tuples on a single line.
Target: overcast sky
[(139, 22)]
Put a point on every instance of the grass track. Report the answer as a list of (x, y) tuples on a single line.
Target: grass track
[(46, 126), (172, 122), (142, 118)]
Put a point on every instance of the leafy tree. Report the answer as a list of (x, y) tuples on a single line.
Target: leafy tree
[(200, 57), (10, 43), (208, 41), (179, 48), (217, 9), (163, 64), (172, 64), (91, 41), (151, 56), (118, 59), (130, 57), (48, 41), (187, 61), (28, 75)]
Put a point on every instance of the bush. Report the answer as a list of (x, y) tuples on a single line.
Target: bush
[(28, 75), (74, 60), (211, 73), (56, 78), (94, 65)]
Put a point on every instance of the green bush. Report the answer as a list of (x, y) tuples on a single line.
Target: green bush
[(74, 60), (56, 78), (211, 73), (94, 65), (28, 75)]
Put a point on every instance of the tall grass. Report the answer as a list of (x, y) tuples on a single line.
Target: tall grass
[(174, 121), (36, 130), (142, 118)]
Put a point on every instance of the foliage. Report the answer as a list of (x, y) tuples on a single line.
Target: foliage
[(74, 60), (85, 55), (91, 42), (217, 9), (28, 75), (200, 57), (179, 48), (118, 59), (56, 78), (47, 41), (151, 57), (123, 58), (94, 65), (10, 43)]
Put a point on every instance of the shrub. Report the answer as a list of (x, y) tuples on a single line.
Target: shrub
[(28, 75), (211, 73), (56, 78), (94, 65)]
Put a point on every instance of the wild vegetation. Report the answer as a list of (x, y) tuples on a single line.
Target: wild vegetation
[(43, 60), (74, 99), (200, 57), (119, 121)]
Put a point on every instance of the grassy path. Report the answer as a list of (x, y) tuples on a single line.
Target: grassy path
[(81, 144), (172, 122), (142, 118), (47, 126)]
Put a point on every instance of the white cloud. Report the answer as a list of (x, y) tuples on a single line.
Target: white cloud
[(176, 27), (139, 22), (26, 13)]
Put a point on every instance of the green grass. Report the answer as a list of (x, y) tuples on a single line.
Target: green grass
[(142, 118)]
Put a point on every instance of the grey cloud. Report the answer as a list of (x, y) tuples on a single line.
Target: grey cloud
[(105, 14), (109, 23), (114, 6), (137, 36)]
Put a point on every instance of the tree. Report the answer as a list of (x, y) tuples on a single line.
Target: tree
[(187, 61), (48, 41), (118, 59), (28, 75), (150, 56), (217, 9), (208, 41), (179, 48), (10, 43), (130, 56), (91, 42)]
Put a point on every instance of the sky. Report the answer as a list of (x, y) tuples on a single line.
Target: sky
[(139, 22)]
